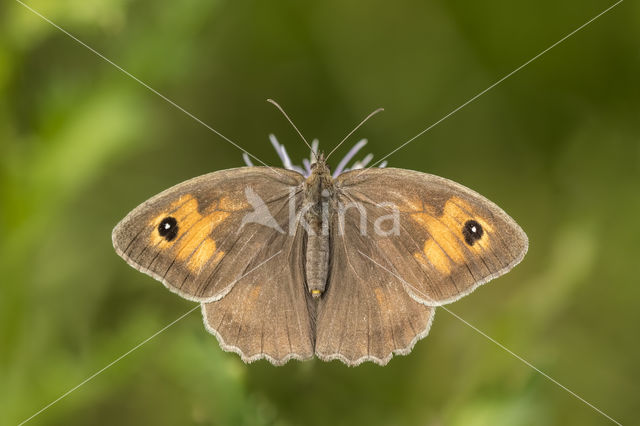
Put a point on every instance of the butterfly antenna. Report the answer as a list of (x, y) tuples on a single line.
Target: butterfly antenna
[(291, 122), (353, 131)]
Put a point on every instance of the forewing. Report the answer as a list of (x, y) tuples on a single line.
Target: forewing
[(441, 238), (201, 236)]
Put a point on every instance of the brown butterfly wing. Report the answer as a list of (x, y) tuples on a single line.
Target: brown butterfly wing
[(384, 280), (365, 313), (265, 315), (192, 236), (449, 239)]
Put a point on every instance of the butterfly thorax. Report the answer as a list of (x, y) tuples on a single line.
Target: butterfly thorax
[(317, 210)]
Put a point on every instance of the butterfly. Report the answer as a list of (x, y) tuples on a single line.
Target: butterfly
[(296, 262)]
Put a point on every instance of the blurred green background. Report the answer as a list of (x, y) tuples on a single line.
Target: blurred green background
[(557, 146)]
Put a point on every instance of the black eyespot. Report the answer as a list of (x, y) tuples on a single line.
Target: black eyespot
[(472, 232), (168, 228)]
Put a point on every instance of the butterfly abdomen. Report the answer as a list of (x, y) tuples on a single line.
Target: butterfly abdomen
[(317, 264), (316, 208)]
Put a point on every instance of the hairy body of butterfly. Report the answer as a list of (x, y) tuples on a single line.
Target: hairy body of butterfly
[(318, 207), (289, 265)]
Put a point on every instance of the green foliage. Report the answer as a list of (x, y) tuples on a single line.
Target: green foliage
[(556, 146)]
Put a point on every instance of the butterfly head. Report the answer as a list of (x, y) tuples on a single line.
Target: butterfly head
[(320, 165), (320, 175)]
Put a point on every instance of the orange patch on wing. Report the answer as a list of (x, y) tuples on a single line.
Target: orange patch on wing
[(193, 242), (184, 210), (255, 293), (382, 301), (434, 256), (460, 212), (202, 255), (197, 246), (439, 229), (446, 245)]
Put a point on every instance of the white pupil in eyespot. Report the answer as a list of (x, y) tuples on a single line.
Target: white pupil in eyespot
[(168, 225), (473, 229)]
